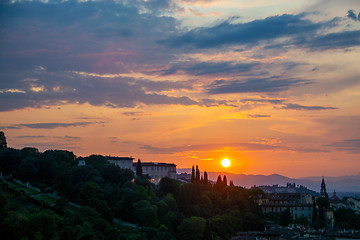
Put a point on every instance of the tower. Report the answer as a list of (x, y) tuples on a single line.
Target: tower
[(323, 192)]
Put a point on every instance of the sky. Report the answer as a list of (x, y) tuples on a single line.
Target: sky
[(274, 86)]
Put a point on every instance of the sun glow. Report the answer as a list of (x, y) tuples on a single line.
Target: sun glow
[(225, 162)]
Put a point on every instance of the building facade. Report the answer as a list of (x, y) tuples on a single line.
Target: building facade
[(299, 204), (121, 162), (156, 171)]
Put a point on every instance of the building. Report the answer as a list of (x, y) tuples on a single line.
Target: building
[(155, 170), (299, 204), (121, 162), (354, 204)]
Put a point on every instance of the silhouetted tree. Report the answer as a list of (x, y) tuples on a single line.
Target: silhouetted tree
[(3, 143), (218, 181), (225, 181), (197, 176), (206, 180), (193, 174), (138, 168), (231, 183)]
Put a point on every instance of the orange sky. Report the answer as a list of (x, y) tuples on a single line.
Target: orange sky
[(272, 86)]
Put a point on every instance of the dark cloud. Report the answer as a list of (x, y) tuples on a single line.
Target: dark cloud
[(93, 36), (159, 86), (69, 87), (351, 14), (273, 84), (292, 106), (330, 41), (213, 68), (347, 145), (47, 125), (250, 33), (258, 116)]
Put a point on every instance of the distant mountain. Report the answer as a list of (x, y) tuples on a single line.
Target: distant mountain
[(339, 184)]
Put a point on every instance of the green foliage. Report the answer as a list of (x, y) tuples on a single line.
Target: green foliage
[(61, 156), (346, 219), (191, 229), (97, 161), (145, 214), (323, 203), (169, 185), (285, 217), (10, 160)]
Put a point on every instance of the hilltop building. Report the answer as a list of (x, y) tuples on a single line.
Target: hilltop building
[(121, 162), (155, 170)]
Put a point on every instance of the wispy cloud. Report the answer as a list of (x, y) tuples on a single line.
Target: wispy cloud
[(347, 145), (46, 125), (273, 84), (292, 106)]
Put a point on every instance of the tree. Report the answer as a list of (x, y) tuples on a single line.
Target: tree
[(138, 168), (285, 217), (225, 181), (3, 143), (206, 180), (192, 174), (197, 176), (10, 160), (208, 234), (191, 228), (169, 185)]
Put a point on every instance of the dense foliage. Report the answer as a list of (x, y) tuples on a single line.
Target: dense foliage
[(102, 201)]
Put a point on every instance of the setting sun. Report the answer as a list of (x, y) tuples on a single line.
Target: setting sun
[(225, 162)]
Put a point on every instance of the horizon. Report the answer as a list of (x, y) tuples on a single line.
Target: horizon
[(272, 86)]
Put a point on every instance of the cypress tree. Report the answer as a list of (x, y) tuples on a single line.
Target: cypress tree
[(138, 168), (197, 174), (219, 181), (225, 181), (206, 177), (193, 174)]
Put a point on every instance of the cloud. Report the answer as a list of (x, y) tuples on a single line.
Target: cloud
[(292, 106), (258, 116), (351, 14), (46, 125), (272, 84), (263, 100), (347, 145), (330, 41), (213, 68), (61, 88), (250, 33)]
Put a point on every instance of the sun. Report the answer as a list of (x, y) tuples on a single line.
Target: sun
[(225, 162)]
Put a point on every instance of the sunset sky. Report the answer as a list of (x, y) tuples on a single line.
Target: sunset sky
[(274, 86)]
